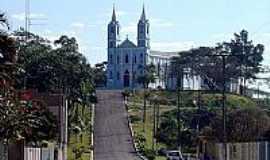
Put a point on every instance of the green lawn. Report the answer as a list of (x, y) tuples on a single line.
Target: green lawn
[(75, 143), (135, 111)]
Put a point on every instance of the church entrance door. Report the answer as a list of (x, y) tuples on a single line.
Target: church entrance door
[(126, 79)]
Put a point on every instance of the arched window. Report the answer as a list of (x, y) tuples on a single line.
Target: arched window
[(111, 75), (141, 58), (126, 59), (118, 75), (158, 69), (111, 59), (135, 59), (112, 30), (118, 60)]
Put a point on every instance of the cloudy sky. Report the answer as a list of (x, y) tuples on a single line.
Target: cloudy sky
[(175, 24)]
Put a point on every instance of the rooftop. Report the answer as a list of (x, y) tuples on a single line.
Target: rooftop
[(163, 54), (127, 44)]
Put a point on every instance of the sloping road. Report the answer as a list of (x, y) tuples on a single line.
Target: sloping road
[(112, 137)]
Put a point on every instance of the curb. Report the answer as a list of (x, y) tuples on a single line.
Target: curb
[(92, 134), (132, 134)]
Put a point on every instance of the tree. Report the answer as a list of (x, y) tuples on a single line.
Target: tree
[(244, 125), (4, 20), (61, 67), (248, 56), (145, 79), (148, 76), (100, 77), (19, 119), (243, 61)]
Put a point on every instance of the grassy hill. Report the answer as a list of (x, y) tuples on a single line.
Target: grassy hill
[(168, 107)]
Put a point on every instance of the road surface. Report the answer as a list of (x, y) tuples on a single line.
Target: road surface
[(112, 137)]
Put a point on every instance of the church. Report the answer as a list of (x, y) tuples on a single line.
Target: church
[(127, 60)]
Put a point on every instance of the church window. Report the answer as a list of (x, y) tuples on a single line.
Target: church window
[(158, 68), (111, 59), (118, 60), (141, 58), (118, 75), (111, 75), (135, 59), (126, 59), (111, 44), (141, 42), (148, 29), (142, 30), (112, 30)]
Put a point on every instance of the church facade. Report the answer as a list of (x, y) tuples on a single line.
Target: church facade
[(127, 60)]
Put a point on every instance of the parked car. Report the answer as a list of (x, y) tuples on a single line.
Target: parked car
[(174, 155), (162, 152)]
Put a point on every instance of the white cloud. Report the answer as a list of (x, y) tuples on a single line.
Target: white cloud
[(161, 23), (21, 16), (222, 37), (121, 13), (130, 29), (78, 25), (172, 46)]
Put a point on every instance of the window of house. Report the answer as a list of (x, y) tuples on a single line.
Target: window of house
[(126, 59), (141, 58), (135, 59)]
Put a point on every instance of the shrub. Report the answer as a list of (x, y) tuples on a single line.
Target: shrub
[(150, 154)]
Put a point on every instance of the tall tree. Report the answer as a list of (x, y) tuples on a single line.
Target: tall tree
[(145, 79), (243, 61)]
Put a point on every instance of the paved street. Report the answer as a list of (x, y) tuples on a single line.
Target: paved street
[(112, 138)]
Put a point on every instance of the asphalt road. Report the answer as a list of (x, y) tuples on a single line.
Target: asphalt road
[(112, 137)]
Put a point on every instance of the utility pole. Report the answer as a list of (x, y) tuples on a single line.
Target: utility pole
[(26, 14), (154, 122), (224, 111), (223, 56), (179, 104)]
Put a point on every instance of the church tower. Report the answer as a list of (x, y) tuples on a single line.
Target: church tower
[(143, 37), (113, 31)]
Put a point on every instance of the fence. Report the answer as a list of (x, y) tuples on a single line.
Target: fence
[(38, 153), (3, 156), (241, 151)]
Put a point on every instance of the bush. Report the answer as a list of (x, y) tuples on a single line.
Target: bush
[(140, 140), (150, 154), (134, 118)]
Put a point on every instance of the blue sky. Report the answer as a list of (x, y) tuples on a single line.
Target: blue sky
[(175, 24)]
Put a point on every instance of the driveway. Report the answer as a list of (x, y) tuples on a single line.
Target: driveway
[(112, 137)]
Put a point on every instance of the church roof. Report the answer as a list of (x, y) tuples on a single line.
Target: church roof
[(127, 44), (163, 54), (113, 15), (143, 16)]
